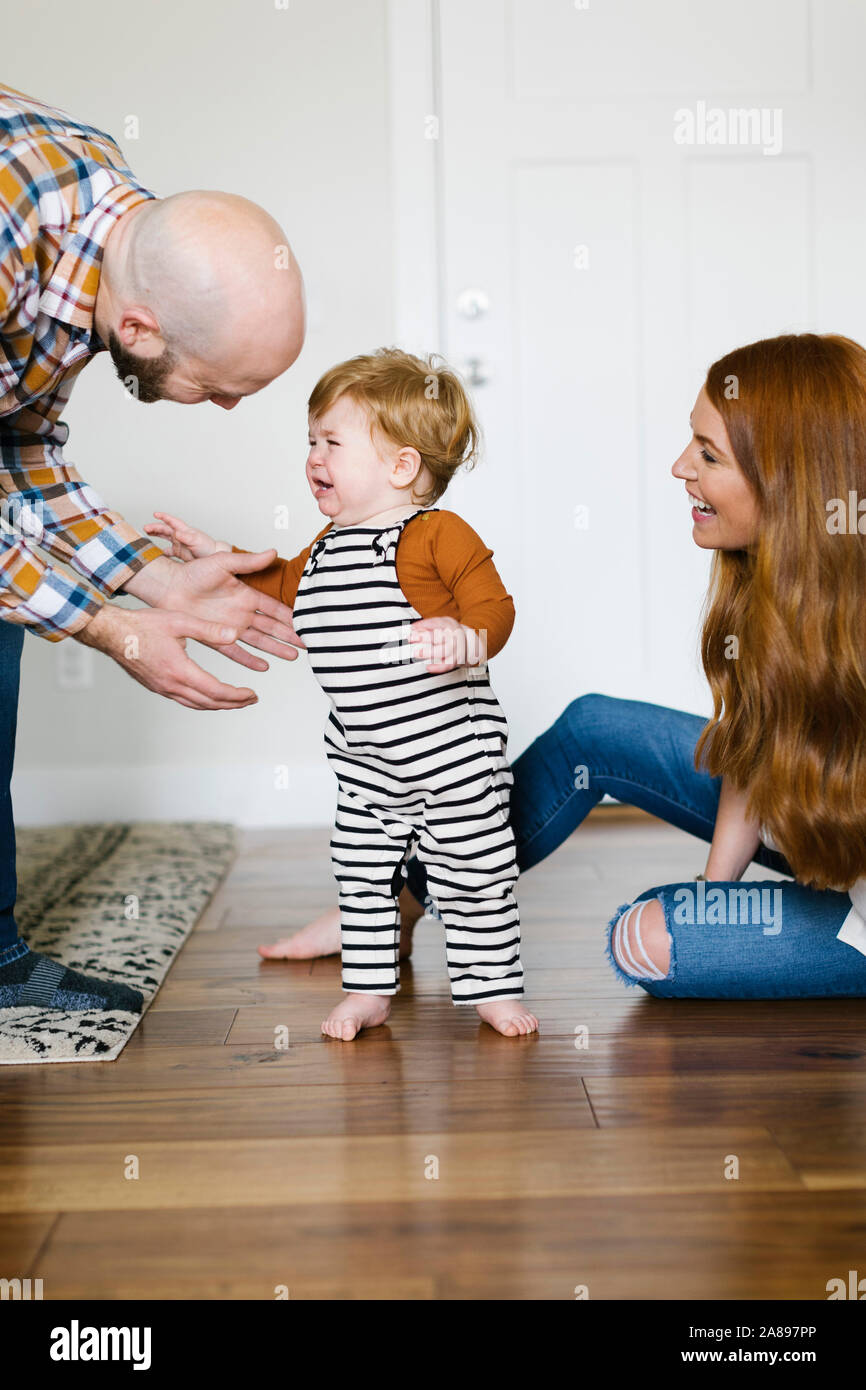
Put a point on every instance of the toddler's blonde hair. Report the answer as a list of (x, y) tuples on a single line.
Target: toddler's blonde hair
[(410, 401)]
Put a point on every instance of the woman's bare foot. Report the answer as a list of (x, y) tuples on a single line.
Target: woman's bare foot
[(508, 1017), (321, 937), (355, 1012)]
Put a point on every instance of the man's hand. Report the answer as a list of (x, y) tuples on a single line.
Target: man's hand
[(209, 588), (151, 647)]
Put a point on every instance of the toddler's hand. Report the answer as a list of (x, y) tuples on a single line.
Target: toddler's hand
[(186, 542), (446, 644)]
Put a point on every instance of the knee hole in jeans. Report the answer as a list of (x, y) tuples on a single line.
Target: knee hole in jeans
[(640, 942)]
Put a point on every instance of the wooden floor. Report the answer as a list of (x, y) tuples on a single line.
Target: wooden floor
[(433, 1159)]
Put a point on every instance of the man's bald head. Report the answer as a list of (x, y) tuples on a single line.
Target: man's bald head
[(204, 297)]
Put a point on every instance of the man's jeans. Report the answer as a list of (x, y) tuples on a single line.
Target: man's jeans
[(643, 754), (11, 642)]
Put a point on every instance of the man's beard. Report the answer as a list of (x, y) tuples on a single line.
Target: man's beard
[(142, 377)]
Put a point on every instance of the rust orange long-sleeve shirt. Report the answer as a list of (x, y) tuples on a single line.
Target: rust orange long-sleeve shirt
[(444, 569)]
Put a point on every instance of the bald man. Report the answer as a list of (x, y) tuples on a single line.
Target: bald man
[(197, 297)]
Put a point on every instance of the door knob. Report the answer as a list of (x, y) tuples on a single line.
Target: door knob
[(475, 371)]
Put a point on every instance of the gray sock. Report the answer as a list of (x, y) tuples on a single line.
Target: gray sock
[(28, 979)]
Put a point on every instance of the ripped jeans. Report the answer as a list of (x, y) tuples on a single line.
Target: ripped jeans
[(762, 939)]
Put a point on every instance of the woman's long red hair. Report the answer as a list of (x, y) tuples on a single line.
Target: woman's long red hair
[(789, 708)]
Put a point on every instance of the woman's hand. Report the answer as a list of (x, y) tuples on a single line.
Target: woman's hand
[(445, 644), (186, 542)]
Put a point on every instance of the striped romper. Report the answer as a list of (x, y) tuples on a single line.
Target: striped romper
[(419, 759)]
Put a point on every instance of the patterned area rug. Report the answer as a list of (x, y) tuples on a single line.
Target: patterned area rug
[(112, 900)]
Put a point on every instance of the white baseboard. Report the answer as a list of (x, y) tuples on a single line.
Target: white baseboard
[(244, 794)]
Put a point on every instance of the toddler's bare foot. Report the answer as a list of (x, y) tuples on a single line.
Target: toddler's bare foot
[(508, 1016), (355, 1012), (321, 937)]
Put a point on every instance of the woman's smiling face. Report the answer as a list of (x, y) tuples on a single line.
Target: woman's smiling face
[(714, 479)]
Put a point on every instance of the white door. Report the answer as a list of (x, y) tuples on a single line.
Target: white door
[(618, 261)]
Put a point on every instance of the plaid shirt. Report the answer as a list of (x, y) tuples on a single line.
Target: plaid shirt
[(63, 187)]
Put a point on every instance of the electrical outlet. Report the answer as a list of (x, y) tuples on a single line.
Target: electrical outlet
[(74, 666)]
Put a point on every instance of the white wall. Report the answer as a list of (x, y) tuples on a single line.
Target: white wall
[(288, 107), (291, 107)]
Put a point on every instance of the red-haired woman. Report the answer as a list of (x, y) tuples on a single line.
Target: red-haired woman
[(775, 469)]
